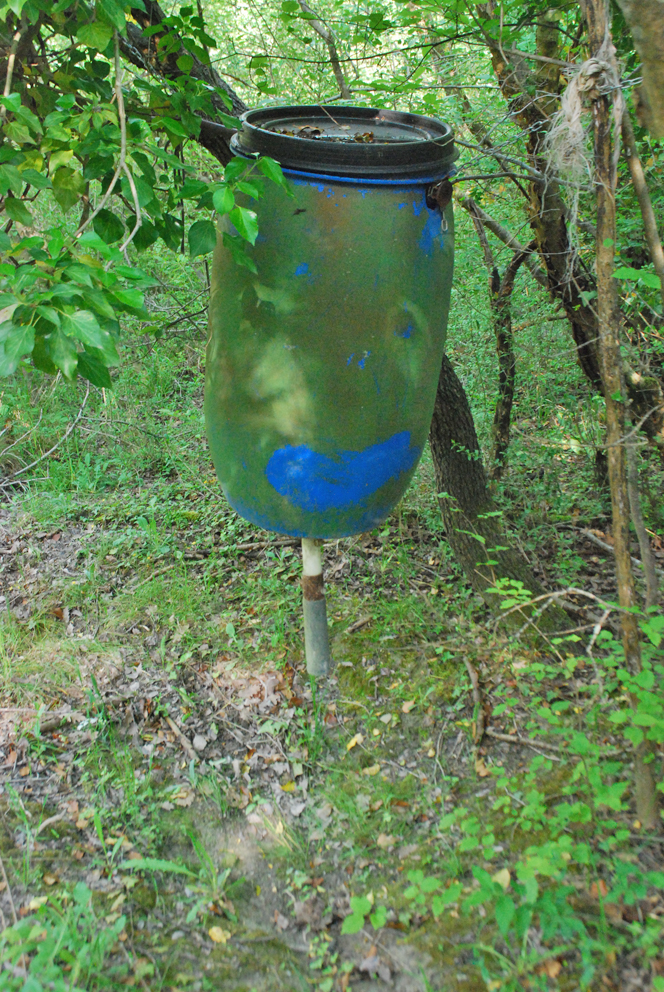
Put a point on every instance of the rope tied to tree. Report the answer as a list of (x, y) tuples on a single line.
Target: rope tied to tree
[(567, 141)]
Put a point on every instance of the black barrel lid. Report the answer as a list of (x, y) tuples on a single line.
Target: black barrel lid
[(349, 142)]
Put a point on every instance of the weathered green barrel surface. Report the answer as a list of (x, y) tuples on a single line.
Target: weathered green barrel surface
[(322, 368)]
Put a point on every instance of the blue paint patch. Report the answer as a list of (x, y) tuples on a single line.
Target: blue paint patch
[(350, 359), (405, 334), (419, 205), (330, 193), (400, 206), (432, 230), (317, 483), (302, 269), (244, 464), (362, 361)]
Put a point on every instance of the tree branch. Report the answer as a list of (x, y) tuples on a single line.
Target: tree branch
[(321, 28)]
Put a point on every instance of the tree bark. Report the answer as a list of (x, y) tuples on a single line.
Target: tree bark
[(646, 22), (567, 282), (643, 196), (500, 297), (472, 522), (143, 53), (609, 326), (321, 28)]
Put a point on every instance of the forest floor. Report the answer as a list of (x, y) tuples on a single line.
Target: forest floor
[(183, 809)]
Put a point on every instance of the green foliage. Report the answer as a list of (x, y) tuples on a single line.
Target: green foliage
[(63, 946), (97, 148)]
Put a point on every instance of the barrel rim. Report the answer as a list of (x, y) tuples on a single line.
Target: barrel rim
[(420, 159)]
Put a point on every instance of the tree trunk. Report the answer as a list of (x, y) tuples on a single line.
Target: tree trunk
[(609, 326), (567, 280), (472, 523), (646, 22)]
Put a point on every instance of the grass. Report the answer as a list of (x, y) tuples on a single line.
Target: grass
[(132, 605)]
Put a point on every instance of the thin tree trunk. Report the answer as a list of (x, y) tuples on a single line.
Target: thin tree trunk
[(547, 207), (609, 321), (472, 522), (321, 28), (647, 557), (502, 324), (643, 196), (500, 296)]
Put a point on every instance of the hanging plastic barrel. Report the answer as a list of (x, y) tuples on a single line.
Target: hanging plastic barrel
[(322, 368)]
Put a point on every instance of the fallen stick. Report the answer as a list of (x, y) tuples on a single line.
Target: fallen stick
[(184, 741), (514, 739)]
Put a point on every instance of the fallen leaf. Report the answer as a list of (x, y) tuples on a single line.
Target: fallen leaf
[(386, 718), (385, 840), (407, 707), (11, 758), (167, 806), (280, 920), (37, 902), (23, 772), (72, 807), (371, 770), (481, 768), (288, 787), (357, 739), (218, 935), (81, 823), (503, 878), (551, 967), (49, 879), (599, 889)]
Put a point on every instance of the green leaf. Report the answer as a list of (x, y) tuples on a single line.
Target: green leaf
[(155, 864), (16, 341), (17, 210), (10, 179), (63, 354), (92, 368), (245, 223), (505, 910), (112, 11), (223, 200), (108, 226), (272, 170), (202, 238), (68, 185), (379, 917), (36, 179), (83, 326), (235, 168), (96, 35), (237, 248), (352, 923), (185, 63)]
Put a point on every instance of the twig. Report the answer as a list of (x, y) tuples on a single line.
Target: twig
[(137, 208), (123, 140), (607, 547), (49, 822), (10, 67), (362, 622), (478, 722), (186, 744), (8, 482), (9, 891), (23, 436), (514, 739), (255, 545), (155, 575)]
